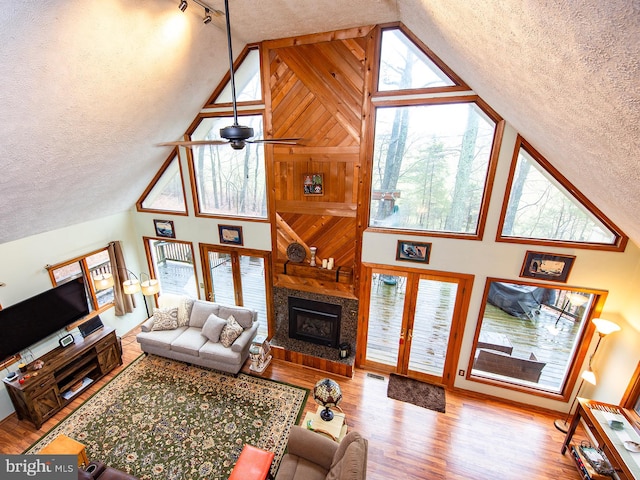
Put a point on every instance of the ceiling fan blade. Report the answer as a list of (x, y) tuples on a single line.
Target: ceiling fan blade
[(193, 143)]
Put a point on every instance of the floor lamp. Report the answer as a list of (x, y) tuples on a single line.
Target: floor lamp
[(571, 299), (151, 286), (603, 327)]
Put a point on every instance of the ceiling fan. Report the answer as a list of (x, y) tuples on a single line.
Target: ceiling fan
[(235, 135)]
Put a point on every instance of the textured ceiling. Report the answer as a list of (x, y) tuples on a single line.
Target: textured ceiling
[(88, 88)]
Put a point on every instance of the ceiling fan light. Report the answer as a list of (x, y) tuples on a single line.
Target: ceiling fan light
[(183, 5)]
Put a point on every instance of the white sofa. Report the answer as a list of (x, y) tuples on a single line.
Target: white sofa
[(190, 331)]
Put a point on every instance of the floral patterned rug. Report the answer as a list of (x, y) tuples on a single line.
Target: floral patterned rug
[(162, 419)]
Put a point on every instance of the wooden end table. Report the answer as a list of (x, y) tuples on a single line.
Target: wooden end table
[(63, 445), (335, 429)]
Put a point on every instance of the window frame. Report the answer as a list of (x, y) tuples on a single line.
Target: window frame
[(621, 239), (192, 171), (94, 309), (575, 363), (412, 100), (172, 156)]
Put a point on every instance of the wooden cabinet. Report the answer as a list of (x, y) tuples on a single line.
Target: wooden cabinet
[(65, 373)]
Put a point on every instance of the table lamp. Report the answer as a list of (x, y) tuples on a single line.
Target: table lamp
[(327, 394)]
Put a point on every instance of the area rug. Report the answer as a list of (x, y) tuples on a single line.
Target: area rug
[(419, 393), (165, 419)]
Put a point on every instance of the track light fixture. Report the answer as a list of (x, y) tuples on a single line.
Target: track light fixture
[(183, 5), (207, 16)]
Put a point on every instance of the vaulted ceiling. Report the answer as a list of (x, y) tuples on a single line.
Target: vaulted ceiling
[(88, 88)]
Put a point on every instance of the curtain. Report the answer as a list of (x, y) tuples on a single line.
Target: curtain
[(123, 303)]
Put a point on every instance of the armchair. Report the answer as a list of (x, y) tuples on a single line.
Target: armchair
[(312, 456)]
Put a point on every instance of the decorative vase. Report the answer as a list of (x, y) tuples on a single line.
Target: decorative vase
[(313, 256)]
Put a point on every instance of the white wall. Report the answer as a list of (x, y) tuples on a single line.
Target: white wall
[(614, 272), (23, 271)]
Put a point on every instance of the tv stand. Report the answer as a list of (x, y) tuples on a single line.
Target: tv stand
[(66, 372)]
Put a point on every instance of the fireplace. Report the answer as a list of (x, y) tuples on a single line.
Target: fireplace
[(315, 322)]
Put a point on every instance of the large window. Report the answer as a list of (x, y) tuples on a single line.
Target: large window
[(86, 267), (229, 182), (430, 167), (532, 336)]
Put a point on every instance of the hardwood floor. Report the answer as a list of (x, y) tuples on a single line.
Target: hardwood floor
[(476, 438)]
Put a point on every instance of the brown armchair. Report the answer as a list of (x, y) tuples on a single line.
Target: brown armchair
[(312, 456)]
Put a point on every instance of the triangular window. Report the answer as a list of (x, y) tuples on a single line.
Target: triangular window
[(544, 207), (247, 80), (404, 66), (165, 192)]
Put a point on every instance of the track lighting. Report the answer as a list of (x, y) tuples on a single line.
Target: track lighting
[(183, 5), (207, 16)]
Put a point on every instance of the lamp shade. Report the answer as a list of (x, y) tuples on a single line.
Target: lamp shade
[(327, 393), (605, 327), (150, 287), (576, 299), (131, 286), (102, 281), (589, 376)]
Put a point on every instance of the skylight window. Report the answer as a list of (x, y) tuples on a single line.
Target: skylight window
[(404, 66), (247, 79), (543, 206), (165, 193)]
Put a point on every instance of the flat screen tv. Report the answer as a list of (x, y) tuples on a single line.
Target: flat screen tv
[(26, 323)]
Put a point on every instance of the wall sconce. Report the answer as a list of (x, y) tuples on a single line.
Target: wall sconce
[(604, 328)]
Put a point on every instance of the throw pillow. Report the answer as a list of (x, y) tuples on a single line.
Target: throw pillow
[(243, 316), (165, 319), (184, 310), (200, 312), (213, 327), (230, 332)]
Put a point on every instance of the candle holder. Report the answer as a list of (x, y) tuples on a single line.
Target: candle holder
[(313, 251)]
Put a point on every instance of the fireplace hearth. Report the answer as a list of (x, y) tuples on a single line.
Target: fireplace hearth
[(315, 322)]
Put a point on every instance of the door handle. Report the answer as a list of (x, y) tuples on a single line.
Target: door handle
[(410, 334), (401, 337)]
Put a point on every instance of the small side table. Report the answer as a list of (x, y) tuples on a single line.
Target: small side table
[(259, 354), (335, 429), (63, 445)]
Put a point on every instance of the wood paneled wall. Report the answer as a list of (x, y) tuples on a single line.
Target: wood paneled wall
[(316, 90)]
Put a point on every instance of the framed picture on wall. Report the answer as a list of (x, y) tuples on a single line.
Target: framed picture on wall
[(413, 251), (313, 184), (230, 234), (547, 266), (164, 228)]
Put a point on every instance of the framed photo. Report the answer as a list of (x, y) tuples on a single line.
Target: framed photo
[(547, 266), (413, 251), (230, 234), (164, 228), (313, 184)]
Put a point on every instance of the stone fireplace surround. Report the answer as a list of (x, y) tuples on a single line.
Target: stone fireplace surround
[(348, 325)]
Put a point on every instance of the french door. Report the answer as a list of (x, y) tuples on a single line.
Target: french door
[(414, 323), (235, 276)]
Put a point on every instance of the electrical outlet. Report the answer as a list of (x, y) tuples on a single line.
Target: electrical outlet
[(461, 373)]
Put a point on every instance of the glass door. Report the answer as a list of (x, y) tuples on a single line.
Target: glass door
[(411, 317), (237, 277)]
